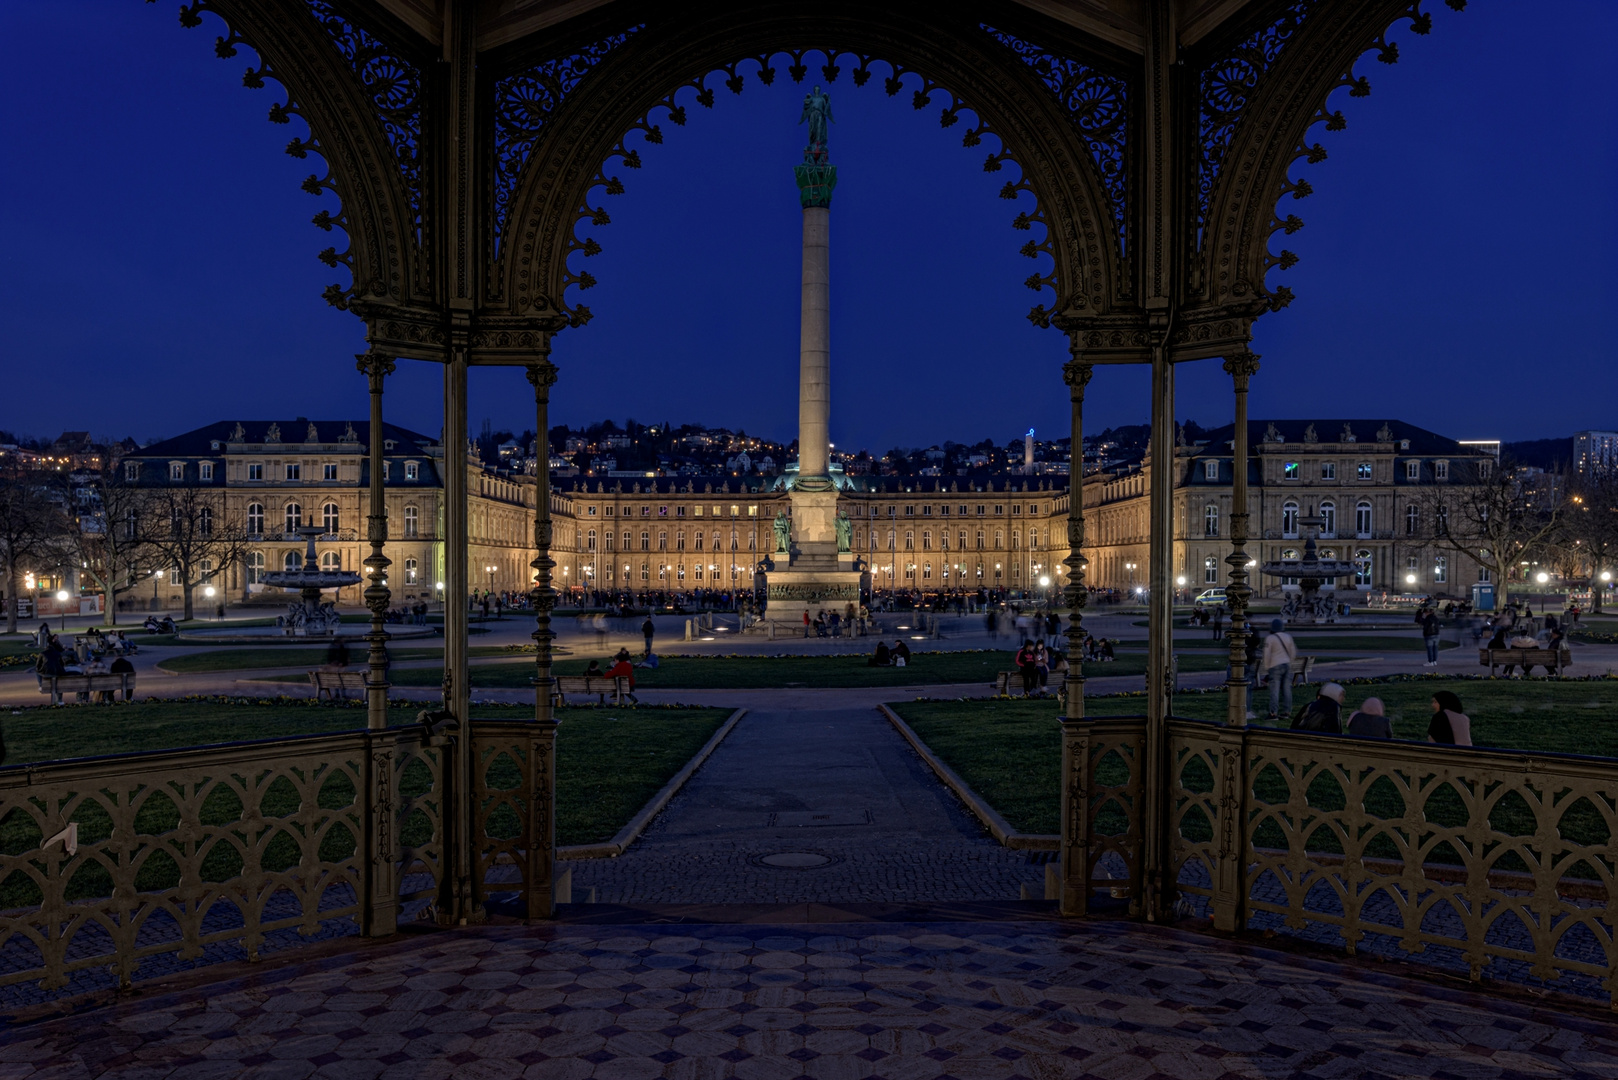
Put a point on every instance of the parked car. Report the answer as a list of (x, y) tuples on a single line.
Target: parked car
[(1210, 596)]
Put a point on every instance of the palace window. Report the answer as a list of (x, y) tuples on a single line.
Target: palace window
[(328, 472), (328, 517), (205, 522), (292, 561), (255, 472), (1210, 571), (176, 470), (329, 562), (679, 540), (1412, 470), (1362, 567), (1210, 520), (645, 572), (961, 536), (699, 537), (1289, 470), (255, 567), (980, 539), (294, 471), (645, 541), (255, 519), (1210, 470), (294, 517), (205, 470), (1362, 471), (1485, 469), (1412, 519), (1289, 519), (590, 540), (410, 571), (1362, 519), (927, 540), (1412, 567), (1328, 470), (1328, 519), (910, 540), (1440, 470), (1440, 569), (131, 470)]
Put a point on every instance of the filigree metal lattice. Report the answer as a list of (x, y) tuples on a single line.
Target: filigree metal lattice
[(523, 104), (136, 866), (1500, 864), (1226, 87), (1098, 105), (395, 89)]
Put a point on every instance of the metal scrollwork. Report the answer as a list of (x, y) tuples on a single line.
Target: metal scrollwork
[(395, 89), (523, 103), (1097, 104), (1226, 86)]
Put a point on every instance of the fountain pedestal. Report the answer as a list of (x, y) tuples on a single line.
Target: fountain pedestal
[(309, 617)]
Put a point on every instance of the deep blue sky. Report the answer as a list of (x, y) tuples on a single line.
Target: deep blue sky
[(157, 266)]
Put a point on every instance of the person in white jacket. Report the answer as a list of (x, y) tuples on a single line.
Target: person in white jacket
[(1279, 652)]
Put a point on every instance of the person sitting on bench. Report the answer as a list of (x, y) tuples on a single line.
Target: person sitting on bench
[(622, 669), (883, 657)]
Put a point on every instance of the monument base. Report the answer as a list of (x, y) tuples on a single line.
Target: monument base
[(821, 586)]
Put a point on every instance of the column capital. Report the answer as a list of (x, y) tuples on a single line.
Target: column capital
[(1241, 367), (374, 366), (542, 375), (1076, 373)]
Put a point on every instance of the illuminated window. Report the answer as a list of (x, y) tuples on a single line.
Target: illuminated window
[(1210, 520), (412, 521), (1289, 471)]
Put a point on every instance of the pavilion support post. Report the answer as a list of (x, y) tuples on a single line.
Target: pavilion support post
[(461, 903), (1155, 817), (379, 887), (1074, 897), (541, 869), (1229, 900)]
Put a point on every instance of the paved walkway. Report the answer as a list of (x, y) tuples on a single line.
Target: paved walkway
[(835, 793), (972, 1001)]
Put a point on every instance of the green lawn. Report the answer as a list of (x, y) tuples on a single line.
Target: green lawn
[(248, 658), (609, 762), (1010, 751), (747, 672)]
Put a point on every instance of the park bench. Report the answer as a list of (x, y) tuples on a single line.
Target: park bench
[(107, 685), (1300, 669), (599, 685), (1552, 660), (336, 684)]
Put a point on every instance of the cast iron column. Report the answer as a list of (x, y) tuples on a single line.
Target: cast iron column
[(377, 595), (1075, 853), (1155, 816), (541, 869), (460, 818)]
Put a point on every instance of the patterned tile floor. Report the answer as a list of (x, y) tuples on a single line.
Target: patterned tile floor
[(966, 1000)]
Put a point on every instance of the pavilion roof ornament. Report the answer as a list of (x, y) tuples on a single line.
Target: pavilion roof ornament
[(395, 87), (1097, 104), (1225, 89), (523, 104)]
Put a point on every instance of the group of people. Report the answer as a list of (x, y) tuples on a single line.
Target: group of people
[(897, 656), (622, 668), (836, 623), (1448, 725), (56, 659), (1035, 663)]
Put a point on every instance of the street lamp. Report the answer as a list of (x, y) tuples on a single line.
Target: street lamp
[(1131, 568), (1410, 579), (1542, 577), (208, 591), (61, 598)]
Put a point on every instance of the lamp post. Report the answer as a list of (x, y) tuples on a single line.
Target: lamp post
[(441, 607), (1131, 568), (61, 599), (208, 591)]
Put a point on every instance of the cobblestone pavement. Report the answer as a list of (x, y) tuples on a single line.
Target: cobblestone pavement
[(836, 789), (970, 1001)]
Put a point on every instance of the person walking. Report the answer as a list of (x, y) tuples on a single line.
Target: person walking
[(1429, 636), (1279, 652), (646, 631), (1219, 622), (1449, 724)]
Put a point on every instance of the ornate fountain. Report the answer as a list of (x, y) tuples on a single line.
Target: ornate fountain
[(308, 617), (1312, 572)]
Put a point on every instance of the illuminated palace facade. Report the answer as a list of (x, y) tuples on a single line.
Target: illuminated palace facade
[(1368, 483)]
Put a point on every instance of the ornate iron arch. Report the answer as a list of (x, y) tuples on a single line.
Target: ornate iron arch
[(364, 94), (1259, 96), (589, 98)]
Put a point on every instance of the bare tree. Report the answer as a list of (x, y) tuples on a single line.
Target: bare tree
[(1591, 526), (32, 522), (108, 542), (189, 532), (1501, 517)]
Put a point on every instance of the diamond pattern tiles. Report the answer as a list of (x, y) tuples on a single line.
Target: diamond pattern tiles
[(830, 1001)]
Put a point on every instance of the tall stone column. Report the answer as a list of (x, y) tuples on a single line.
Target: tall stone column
[(814, 350), (1074, 898)]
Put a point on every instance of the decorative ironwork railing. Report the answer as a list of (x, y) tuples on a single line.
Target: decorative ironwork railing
[(1497, 863), (134, 866)]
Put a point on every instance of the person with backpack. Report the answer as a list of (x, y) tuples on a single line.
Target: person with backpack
[(1279, 652), (1324, 715)]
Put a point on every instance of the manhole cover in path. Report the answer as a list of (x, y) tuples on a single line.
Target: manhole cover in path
[(795, 860)]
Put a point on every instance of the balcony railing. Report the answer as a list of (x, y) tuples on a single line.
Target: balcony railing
[(1492, 863)]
